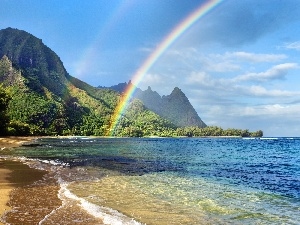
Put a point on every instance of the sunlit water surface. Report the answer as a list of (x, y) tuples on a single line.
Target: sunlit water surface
[(174, 180)]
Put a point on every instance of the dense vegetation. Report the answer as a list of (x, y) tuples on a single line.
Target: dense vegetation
[(4, 119), (83, 110), (38, 97), (138, 121), (28, 112), (216, 131)]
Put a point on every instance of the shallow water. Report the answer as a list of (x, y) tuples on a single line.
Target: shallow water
[(171, 180)]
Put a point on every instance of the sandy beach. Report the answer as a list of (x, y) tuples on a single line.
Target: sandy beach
[(24, 189), (10, 142), (11, 175), (5, 188)]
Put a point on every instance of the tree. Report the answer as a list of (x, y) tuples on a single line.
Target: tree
[(4, 119), (258, 133)]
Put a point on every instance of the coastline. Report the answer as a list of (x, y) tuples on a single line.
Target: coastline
[(12, 142), (95, 190), (24, 189), (5, 189), (9, 178)]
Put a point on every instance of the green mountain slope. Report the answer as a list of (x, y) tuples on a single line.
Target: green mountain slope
[(46, 100), (39, 64), (39, 97)]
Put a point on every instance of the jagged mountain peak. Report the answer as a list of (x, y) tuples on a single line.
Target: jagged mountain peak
[(176, 90), (175, 107), (177, 93)]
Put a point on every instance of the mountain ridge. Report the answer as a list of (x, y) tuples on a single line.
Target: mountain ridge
[(39, 97), (175, 107), (46, 100)]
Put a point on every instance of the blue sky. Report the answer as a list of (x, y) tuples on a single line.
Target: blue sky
[(239, 64)]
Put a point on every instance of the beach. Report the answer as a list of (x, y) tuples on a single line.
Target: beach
[(30, 196), (10, 142), (5, 189), (5, 185), (14, 174)]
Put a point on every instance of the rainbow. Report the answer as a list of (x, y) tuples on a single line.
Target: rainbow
[(159, 50)]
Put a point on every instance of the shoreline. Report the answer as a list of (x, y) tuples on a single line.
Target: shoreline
[(9, 174), (24, 189), (5, 189), (14, 141)]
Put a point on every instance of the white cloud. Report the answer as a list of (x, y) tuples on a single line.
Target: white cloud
[(145, 49), (256, 58), (203, 79), (213, 65), (293, 45), (161, 83), (232, 87), (231, 61), (192, 59), (273, 119), (151, 79), (260, 91), (277, 110), (276, 72), (247, 57)]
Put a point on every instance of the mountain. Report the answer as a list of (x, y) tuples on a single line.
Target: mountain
[(175, 107), (39, 97), (46, 100), (40, 65)]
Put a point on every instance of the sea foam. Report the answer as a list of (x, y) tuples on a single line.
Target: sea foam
[(107, 215)]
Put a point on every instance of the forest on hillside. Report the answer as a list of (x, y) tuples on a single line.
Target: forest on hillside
[(136, 122), (39, 97)]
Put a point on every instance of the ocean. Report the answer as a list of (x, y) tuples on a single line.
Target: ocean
[(169, 180)]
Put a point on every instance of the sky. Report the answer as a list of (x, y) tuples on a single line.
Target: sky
[(238, 64)]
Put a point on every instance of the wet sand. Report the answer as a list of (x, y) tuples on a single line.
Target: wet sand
[(5, 189), (5, 185), (29, 196), (14, 174), (10, 142), (16, 191)]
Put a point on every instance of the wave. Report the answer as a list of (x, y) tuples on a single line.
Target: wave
[(108, 215)]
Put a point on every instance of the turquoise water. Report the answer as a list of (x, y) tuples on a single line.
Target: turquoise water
[(176, 180)]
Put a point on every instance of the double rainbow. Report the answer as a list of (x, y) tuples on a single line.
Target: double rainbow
[(159, 50)]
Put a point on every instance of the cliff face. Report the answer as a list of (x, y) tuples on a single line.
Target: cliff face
[(39, 64)]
